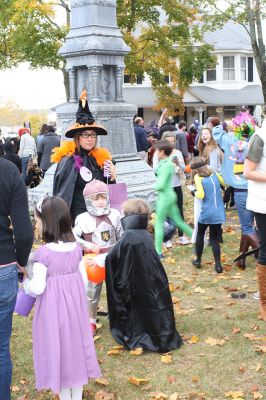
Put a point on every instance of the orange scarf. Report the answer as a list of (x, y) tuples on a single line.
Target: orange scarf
[(67, 149)]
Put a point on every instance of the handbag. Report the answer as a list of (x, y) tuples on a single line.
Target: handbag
[(117, 195)]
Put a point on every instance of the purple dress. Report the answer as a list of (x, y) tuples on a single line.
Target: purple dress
[(63, 346)]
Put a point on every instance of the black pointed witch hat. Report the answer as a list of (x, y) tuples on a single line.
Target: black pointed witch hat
[(84, 119)]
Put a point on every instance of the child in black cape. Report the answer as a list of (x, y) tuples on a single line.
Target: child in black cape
[(139, 301)]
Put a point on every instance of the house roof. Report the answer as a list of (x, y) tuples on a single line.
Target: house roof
[(231, 36), (251, 94)]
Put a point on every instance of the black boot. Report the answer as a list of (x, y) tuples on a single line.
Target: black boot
[(218, 268), (197, 263)]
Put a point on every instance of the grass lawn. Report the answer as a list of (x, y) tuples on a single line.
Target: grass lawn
[(230, 362)]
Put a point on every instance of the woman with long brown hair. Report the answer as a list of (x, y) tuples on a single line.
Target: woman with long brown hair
[(209, 149)]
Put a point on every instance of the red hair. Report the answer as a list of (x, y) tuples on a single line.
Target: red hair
[(22, 131)]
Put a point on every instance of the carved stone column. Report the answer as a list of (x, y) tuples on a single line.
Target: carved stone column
[(95, 83), (119, 73), (72, 85)]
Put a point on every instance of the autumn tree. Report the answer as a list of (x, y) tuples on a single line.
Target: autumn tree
[(159, 32), (248, 13)]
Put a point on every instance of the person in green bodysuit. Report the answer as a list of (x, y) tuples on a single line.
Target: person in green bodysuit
[(166, 202)]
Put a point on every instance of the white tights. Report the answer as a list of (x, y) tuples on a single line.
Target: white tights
[(71, 393)]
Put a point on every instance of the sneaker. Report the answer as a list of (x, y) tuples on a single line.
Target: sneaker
[(184, 240), (256, 296), (93, 328), (168, 244), (161, 256)]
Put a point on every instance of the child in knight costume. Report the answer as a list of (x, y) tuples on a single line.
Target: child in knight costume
[(97, 230)]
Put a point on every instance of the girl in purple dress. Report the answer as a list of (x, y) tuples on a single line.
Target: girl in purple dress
[(63, 347)]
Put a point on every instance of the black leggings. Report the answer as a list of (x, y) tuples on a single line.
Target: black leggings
[(215, 230), (261, 225), (179, 194)]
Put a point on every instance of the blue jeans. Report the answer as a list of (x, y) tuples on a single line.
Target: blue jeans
[(8, 295), (246, 217), (24, 163)]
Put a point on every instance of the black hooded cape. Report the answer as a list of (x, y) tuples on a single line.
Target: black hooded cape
[(139, 301)]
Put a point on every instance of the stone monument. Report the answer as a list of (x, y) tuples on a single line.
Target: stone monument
[(94, 51)]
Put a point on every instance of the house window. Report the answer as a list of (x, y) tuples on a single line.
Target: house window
[(229, 68), (167, 78), (126, 78), (250, 69), (243, 68), (139, 80), (211, 74)]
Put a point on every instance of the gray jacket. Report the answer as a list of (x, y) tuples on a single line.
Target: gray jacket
[(45, 147)]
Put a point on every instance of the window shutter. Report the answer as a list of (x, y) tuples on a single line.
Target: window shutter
[(250, 69)]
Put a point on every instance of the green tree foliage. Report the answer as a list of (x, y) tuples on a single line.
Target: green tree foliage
[(158, 31), (250, 14)]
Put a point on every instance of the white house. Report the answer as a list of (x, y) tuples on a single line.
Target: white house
[(222, 90)]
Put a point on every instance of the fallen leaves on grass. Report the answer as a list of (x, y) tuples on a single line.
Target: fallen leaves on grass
[(166, 358), (195, 379), (257, 395), (102, 381), (101, 395), (236, 330), (258, 367), (114, 351), (137, 381), (208, 307), (97, 337), (215, 342), (158, 396), (136, 352), (193, 340), (235, 395), (260, 349), (14, 389), (199, 290)]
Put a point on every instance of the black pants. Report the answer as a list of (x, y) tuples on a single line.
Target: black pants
[(261, 225), (179, 193), (215, 230)]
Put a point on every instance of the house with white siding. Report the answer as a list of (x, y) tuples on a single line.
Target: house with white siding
[(233, 82)]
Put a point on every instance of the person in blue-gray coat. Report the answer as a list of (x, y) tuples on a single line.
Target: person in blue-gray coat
[(207, 188)]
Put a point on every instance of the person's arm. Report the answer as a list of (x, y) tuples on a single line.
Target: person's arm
[(253, 158), (183, 145), (220, 136), (162, 179), (160, 122), (181, 160), (220, 179), (144, 141), (40, 146), (155, 162), (86, 245), (20, 217), (199, 193), (36, 286), (21, 146)]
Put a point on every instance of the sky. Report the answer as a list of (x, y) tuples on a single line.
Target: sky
[(35, 89)]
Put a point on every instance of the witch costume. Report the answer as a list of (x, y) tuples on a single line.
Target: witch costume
[(69, 183), (139, 301)]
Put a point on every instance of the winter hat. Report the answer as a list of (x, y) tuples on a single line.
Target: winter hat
[(95, 187), (198, 162), (84, 119)]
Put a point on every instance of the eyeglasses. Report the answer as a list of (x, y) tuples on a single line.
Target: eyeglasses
[(86, 135)]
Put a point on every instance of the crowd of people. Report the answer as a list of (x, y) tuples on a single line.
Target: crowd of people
[(32, 157), (86, 239)]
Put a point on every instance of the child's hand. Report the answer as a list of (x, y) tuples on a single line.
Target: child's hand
[(90, 262), (95, 249)]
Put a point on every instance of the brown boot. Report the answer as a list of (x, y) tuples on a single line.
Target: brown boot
[(261, 274), (254, 242), (244, 245)]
